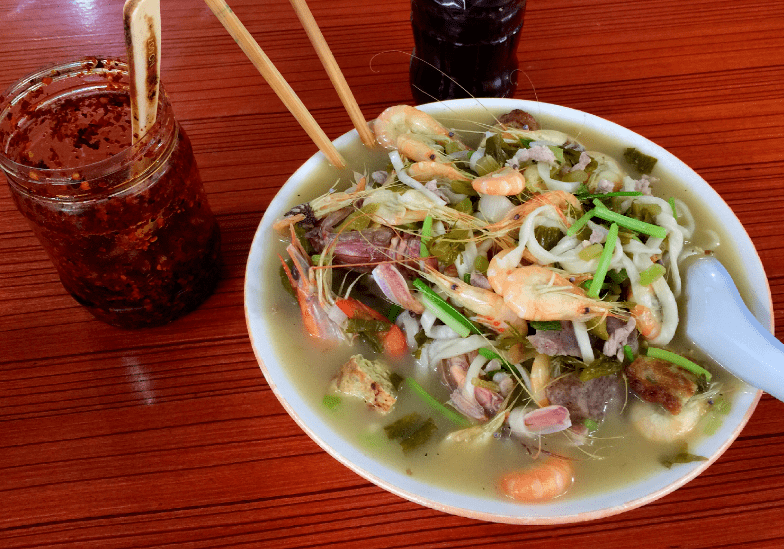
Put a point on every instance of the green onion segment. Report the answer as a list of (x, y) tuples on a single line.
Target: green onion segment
[(674, 209), (652, 274), (678, 360), (580, 223), (604, 262), (451, 415), (635, 225), (629, 353), (444, 311)]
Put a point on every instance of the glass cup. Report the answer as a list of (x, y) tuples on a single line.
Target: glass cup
[(127, 226)]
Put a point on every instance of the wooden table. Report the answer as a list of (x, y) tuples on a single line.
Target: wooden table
[(171, 436)]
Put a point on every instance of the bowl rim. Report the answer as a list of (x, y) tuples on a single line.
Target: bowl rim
[(434, 497)]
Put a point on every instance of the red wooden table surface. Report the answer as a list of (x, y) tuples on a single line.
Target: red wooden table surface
[(171, 436)]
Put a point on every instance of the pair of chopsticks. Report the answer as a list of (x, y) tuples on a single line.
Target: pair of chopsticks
[(279, 85)]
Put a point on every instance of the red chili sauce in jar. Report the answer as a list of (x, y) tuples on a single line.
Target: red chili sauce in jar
[(127, 226)]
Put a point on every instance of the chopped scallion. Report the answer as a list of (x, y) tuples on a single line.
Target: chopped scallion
[(678, 360), (586, 196), (627, 351), (590, 424), (604, 262), (652, 274), (580, 223), (674, 209), (490, 354), (636, 225), (444, 311), (450, 414)]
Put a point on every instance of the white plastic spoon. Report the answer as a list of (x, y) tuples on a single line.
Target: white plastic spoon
[(142, 22), (720, 324)]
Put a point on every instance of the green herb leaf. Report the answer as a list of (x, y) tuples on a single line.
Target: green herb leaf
[(420, 435), (683, 456), (545, 325), (403, 426)]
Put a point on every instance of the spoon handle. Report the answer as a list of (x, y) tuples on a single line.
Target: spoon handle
[(727, 331)]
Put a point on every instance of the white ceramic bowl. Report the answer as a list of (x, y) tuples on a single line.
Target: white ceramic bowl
[(300, 188)]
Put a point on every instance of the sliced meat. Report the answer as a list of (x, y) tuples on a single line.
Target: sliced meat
[(621, 333), (369, 380), (519, 120), (656, 380), (592, 399), (556, 342)]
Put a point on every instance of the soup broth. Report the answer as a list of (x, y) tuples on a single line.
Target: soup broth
[(617, 454)]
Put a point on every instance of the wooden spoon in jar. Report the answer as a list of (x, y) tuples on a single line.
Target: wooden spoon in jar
[(142, 22)]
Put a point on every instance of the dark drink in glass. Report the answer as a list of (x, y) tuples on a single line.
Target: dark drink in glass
[(465, 48)]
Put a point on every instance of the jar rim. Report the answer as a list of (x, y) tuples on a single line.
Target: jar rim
[(79, 68)]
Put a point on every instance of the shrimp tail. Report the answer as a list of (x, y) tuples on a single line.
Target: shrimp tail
[(542, 483)]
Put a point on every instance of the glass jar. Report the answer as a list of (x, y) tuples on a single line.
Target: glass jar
[(127, 225), (464, 48)]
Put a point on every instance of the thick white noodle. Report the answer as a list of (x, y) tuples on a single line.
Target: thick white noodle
[(685, 218), (669, 309), (439, 349), (583, 341), (410, 326), (403, 176), (554, 184), (473, 371)]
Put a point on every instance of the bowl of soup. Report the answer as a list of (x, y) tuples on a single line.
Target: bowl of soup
[(518, 457)]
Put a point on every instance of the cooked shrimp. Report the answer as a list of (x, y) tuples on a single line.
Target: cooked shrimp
[(505, 181), (543, 482), (425, 171), (658, 425), (404, 119), (647, 324), (392, 338), (540, 378), (539, 293), (420, 148), (488, 306), (314, 314), (515, 218)]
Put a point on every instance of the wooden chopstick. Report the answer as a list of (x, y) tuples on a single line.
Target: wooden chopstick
[(333, 71), (276, 81)]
